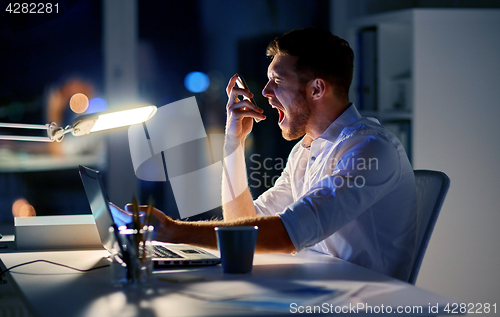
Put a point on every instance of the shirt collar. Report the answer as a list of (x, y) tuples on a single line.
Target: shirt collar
[(348, 117)]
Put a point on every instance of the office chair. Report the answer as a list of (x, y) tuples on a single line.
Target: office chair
[(432, 187)]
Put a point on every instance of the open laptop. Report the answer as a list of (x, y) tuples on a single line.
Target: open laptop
[(166, 254)]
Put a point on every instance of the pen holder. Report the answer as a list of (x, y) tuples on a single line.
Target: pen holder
[(132, 255)]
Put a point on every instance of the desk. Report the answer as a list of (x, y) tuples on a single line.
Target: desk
[(55, 291)]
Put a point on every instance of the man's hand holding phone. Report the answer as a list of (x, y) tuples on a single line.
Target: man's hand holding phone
[(241, 112), (241, 83)]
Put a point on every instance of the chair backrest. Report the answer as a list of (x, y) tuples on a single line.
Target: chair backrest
[(432, 187)]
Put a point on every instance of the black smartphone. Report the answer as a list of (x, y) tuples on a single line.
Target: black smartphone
[(241, 83)]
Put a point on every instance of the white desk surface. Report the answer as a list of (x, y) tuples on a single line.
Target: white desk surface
[(55, 291)]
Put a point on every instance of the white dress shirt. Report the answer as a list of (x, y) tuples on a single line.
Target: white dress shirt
[(351, 195)]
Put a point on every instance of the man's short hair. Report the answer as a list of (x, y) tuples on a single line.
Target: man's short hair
[(320, 54)]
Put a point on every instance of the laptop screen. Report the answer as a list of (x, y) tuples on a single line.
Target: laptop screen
[(99, 205), (106, 216)]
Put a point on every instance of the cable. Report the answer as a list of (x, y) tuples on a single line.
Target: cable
[(55, 263)]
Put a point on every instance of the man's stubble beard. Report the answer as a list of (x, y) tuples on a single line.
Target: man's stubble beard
[(299, 113)]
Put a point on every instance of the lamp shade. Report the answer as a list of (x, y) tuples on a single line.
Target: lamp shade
[(105, 121)]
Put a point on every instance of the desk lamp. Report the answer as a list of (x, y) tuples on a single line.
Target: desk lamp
[(83, 125)]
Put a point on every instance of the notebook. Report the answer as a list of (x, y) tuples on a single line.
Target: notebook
[(166, 254)]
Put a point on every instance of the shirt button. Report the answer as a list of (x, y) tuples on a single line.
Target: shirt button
[(313, 158)]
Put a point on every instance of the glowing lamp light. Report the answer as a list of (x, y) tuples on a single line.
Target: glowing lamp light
[(106, 121), (123, 118)]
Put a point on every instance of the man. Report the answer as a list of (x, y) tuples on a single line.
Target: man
[(348, 188)]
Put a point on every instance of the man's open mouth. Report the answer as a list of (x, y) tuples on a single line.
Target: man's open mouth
[(281, 114)]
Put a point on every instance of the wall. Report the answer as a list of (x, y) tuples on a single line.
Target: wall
[(456, 118), (456, 77)]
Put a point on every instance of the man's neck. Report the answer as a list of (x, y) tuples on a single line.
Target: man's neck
[(324, 115)]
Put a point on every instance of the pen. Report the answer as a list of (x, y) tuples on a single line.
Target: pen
[(149, 213), (136, 225), (135, 214), (147, 221)]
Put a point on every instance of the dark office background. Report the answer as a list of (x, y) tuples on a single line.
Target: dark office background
[(40, 51)]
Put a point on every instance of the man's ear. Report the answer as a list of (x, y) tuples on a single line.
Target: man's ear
[(317, 88)]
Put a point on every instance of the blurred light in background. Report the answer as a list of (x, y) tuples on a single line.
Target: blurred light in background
[(21, 208), (97, 105), (196, 82), (79, 102)]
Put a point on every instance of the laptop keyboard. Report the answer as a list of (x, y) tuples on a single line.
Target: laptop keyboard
[(162, 252)]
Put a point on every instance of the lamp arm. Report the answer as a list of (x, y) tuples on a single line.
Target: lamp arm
[(54, 132), (82, 125)]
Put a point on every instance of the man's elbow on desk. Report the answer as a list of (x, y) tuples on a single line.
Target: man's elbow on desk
[(273, 237)]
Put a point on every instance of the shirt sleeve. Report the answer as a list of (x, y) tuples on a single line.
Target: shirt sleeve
[(366, 168), (277, 198)]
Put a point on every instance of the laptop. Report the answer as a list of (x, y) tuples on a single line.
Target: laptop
[(165, 254)]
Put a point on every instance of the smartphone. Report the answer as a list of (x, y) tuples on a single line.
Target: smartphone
[(241, 83)]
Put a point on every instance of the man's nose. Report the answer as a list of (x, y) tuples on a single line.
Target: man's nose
[(267, 91)]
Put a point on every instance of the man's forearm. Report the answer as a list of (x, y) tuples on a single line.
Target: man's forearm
[(239, 207), (237, 202), (272, 236)]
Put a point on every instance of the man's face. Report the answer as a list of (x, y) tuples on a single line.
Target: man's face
[(287, 95)]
